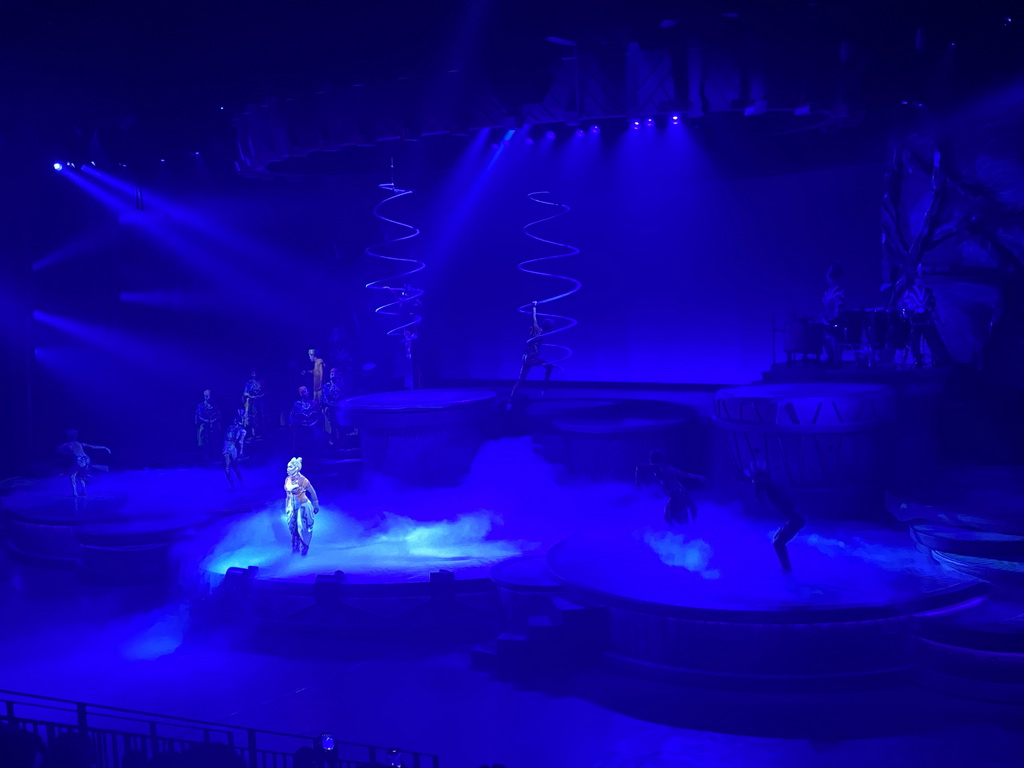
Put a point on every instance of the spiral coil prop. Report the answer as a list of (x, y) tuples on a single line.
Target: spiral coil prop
[(561, 322), (405, 298)]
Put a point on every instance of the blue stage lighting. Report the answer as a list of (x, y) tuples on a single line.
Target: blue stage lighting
[(507, 137), (675, 119), (595, 129), (58, 167), (549, 135), (579, 133)]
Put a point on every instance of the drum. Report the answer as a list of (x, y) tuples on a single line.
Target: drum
[(898, 336), (850, 327), (876, 326), (804, 337)]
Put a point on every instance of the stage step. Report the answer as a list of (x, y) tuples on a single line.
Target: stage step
[(1001, 572), (977, 652), (961, 541)]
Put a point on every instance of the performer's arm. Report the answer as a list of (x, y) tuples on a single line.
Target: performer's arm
[(312, 495), (96, 447), (536, 325)]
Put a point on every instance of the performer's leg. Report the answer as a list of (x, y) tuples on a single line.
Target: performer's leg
[(783, 536), (691, 509), (234, 466), (916, 332), (548, 369), (523, 371), (675, 511), (293, 529), (74, 484)]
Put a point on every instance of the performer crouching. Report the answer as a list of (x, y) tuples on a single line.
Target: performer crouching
[(675, 483), (301, 504), (81, 464)]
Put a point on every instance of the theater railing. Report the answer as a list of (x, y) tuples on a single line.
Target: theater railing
[(113, 733)]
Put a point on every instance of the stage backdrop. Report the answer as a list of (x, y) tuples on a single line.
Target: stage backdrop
[(687, 249)]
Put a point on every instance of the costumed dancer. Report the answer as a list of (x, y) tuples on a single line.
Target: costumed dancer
[(207, 424), (768, 492), (253, 394), (301, 505), (918, 301), (333, 394), (234, 446), (832, 302), (676, 485), (531, 357), (317, 372), (81, 464), (304, 421)]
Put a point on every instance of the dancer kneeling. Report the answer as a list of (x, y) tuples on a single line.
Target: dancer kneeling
[(768, 491), (301, 504), (676, 485)]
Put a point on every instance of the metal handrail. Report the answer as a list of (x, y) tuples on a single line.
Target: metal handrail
[(82, 710)]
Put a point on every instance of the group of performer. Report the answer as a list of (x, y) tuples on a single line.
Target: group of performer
[(681, 509), (313, 415), (909, 305)]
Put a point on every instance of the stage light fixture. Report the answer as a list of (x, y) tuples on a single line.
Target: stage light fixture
[(58, 166), (196, 154), (549, 135), (326, 739), (635, 125), (649, 122), (529, 141), (579, 133), (595, 129), (163, 160), (674, 119), (506, 138), (71, 165)]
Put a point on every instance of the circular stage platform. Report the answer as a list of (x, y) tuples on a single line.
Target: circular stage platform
[(845, 619), (825, 443), (424, 437)]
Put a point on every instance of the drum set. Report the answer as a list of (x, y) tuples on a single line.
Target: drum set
[(874, 336)]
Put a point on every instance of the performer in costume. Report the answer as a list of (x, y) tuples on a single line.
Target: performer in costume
[(301, 505), (304, 421), (234, 445), (81, 464), (675, 483), (333, 394), (832, 302), (768, 492), (207, 424), (254, 415), (317, 372), (531, 357), (918, 302)]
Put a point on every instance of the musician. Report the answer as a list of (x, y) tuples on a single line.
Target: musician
[(675, 483), (768, 492), (832, 302), (531, 357), (918, 301)]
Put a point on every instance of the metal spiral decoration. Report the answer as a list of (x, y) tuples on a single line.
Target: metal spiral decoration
[(561, 322), (405, 298)]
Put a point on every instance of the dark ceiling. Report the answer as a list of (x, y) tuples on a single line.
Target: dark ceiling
[(154, 77)]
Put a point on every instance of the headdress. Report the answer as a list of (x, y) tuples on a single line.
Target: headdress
[(295, 465)]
